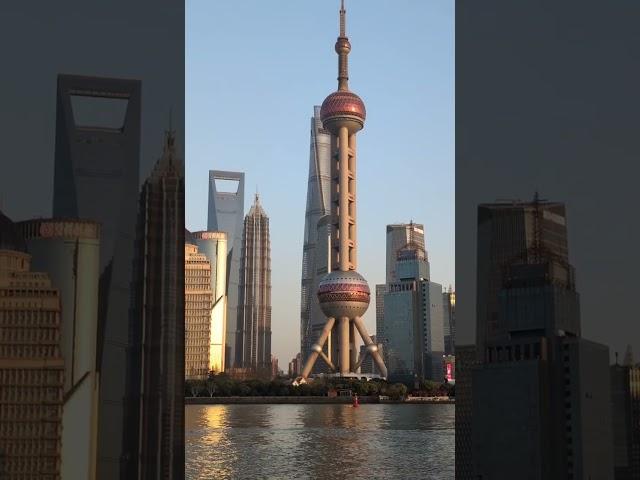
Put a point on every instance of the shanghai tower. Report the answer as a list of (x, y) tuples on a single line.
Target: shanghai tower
[(314, 257), (343, 293)]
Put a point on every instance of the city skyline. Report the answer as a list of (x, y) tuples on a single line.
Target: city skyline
[(261, 60)]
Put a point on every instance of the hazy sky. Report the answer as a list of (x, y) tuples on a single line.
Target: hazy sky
[(254, 71)]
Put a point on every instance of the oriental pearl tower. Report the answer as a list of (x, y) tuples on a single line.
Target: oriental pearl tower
[(343, 293)]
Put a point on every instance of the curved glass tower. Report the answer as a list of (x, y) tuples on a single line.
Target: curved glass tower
[(314, 257)]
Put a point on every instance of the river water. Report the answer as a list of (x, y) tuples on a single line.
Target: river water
[(377, 441)]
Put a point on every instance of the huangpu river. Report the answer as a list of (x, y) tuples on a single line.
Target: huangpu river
[(384, 441)]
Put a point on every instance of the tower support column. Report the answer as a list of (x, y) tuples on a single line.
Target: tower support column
[(344, 345), (343, 197)]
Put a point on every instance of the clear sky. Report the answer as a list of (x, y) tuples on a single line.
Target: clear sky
[(254, 71)]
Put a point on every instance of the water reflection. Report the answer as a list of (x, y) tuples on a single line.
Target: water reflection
[(319, 441)]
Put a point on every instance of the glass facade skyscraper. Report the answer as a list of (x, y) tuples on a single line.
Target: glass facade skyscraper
[(413, 337), (314, 256), (96, 178), (226, 214)]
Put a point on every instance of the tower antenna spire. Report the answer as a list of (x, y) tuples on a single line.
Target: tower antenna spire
[(343, 47)]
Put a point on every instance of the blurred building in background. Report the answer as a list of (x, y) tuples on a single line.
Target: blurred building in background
[(32, 369), (97, 163), (625, 408), (540, 392), (69, 251), (154, 440)]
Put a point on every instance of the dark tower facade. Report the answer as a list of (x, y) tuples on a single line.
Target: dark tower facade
[(96, 178), (551, 417), (154, 438), (253, 350)]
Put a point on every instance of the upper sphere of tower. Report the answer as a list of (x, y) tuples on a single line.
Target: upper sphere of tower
[(343, 109)]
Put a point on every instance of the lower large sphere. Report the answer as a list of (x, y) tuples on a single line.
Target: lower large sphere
[(344, 294)]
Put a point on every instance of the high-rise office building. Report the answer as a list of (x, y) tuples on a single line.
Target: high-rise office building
[(552, 415), (512, 232), (399, 236), (414, 339), (343, 294), (625, 411), (31, 364), (198, 299), (253, 347), (449, 309), (466, 360), (154, 441), (318, 205), (96, 178), (214, 246), (381, 336), (226, 214), (69, 251)]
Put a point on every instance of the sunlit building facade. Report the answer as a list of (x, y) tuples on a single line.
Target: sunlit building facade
[(197, 312), (214, 246), (398, 236), (226, 214), (31, 365), (69, 251)]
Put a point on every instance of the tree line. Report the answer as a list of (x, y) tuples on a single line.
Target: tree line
[(222, 385)]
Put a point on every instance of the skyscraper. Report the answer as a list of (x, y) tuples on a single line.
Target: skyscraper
[(226, 213), (198, 300), (343, 294), (96, 178), (31, 364), (381, 335), (154, 441), (625, 403), (69, 251), (413, 332), (318, 195), (466, 359), (253, 349), (511, 232), (214, 246), (449, 309), (398, 236), (552, 417)]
